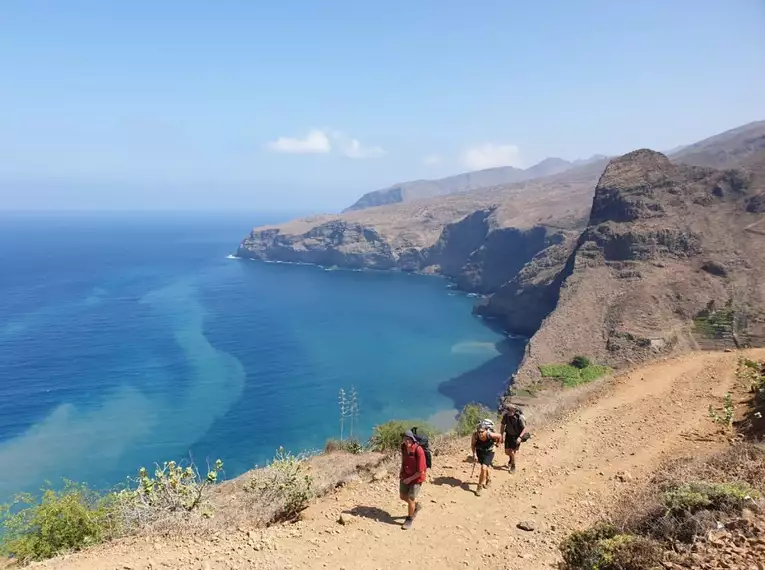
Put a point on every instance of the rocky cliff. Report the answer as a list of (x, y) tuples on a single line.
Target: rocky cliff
[(480, 239), (663, 242)]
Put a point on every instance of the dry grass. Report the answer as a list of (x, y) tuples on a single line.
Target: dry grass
[(649, 510), (254, 499), (551, 405)]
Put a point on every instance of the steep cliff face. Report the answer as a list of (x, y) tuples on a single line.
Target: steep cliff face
[(334, 243), (663, 240), (481, 256), (523, 302), (477, 254), (457, 243), (480, 239), (500, 257)]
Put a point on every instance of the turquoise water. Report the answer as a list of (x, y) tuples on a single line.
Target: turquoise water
[(130, 339)]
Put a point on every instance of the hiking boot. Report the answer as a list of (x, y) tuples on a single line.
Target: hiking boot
[(478, 491), (407, 524), (512, 469), (486, 485), (417, 509)]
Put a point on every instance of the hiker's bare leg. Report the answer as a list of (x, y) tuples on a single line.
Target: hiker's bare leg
[(411, 505)]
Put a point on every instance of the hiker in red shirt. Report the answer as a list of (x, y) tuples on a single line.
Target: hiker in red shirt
[(414, 470)]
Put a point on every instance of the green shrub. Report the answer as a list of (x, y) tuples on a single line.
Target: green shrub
[(753, 374), (696, 496), (286, 485), (604, 548), (728, 412), (41, 527), (580, 362), (386, 438), (350, 445), (579, 546), (714, 323), (572, 376), (470, 416), (172, 487)]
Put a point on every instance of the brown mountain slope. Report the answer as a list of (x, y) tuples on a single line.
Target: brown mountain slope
[(663, 241), (734, 148), (465, 182)]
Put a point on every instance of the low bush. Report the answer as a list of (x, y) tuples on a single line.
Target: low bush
[(170, 493), (726, 419), (35, 528), (695, 496), (603, 547), (753, 375), (386, 438), (470, 416), (284, 488), (74, 517), (580, 362), (572, 376), (350, 445)]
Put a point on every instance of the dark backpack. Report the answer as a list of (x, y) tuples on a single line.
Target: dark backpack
[(424, 443), (513, 423)]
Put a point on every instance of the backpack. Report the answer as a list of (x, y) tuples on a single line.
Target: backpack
[(424, 443), (513, 419)]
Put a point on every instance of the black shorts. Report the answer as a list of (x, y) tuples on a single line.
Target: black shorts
[(511, 443), (485, 457)]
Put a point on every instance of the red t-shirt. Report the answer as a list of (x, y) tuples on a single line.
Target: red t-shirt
[(413, 462)]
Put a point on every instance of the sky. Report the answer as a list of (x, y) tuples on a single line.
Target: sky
[(297, 104)]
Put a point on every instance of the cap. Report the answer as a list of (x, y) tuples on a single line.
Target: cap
[(410, 435)]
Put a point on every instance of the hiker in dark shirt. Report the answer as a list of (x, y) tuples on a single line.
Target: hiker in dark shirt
[(513, 429), (413, 473), (482, 446)]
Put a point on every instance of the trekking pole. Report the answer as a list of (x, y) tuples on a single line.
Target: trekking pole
[(472, 472)]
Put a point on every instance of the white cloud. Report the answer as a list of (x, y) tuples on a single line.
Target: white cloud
[(354, 149), (489, 155), (315, 142), (431, 160), (325, 141)]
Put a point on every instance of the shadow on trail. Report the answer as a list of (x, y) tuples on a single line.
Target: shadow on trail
[(487, 382), (375, 514), (452, 482)]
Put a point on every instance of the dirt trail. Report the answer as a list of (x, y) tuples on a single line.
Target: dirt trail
[(567, 473)]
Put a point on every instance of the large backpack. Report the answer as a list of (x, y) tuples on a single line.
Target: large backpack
[(512, 420), (424, 443)]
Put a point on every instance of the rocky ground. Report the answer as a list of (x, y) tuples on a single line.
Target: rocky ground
[(739, 544), (570, 472)]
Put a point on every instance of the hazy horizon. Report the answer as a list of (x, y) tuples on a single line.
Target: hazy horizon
[(264, 107)]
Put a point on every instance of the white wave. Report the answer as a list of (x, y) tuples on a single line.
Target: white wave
[(231, 256), (279, 262)]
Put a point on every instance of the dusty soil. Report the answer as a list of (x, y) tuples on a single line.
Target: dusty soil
[(569, 474)]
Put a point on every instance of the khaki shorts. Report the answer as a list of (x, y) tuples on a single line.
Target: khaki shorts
[(411, 490)]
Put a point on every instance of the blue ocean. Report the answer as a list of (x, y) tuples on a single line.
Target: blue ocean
[(128, 339)]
